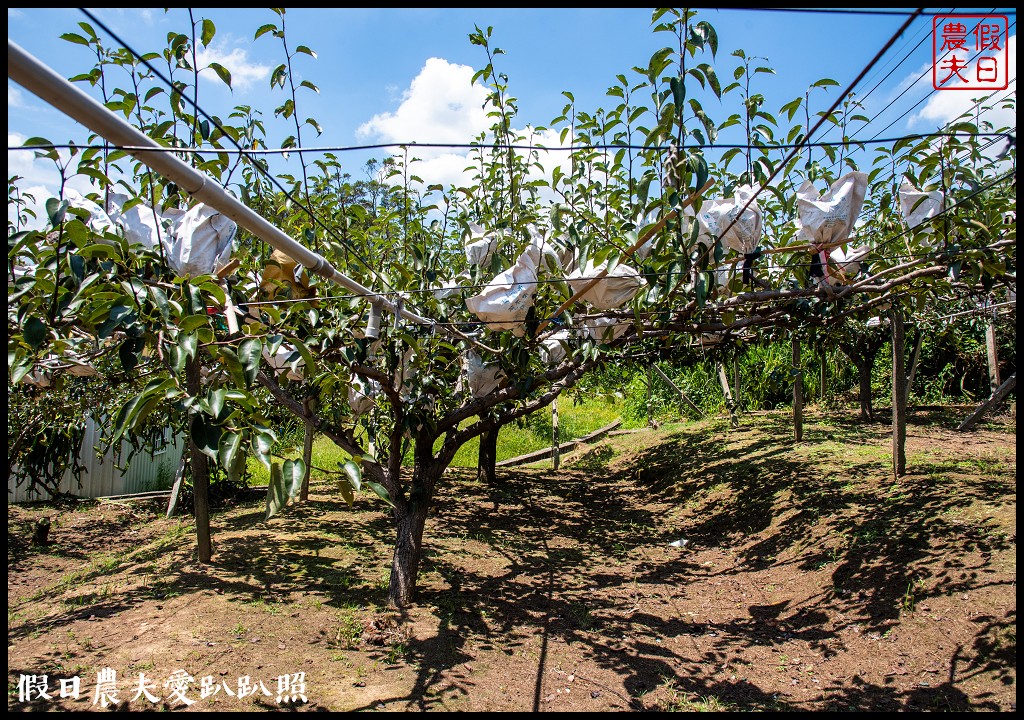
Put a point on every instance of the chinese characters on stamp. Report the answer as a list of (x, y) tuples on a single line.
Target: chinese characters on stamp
[(970, 52)]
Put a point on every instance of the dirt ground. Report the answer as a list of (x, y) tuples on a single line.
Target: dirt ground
[(692, 567)]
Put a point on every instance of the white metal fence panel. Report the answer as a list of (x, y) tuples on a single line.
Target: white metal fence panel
[(102, 478)]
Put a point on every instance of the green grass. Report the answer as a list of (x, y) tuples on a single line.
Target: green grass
[(574, 420)]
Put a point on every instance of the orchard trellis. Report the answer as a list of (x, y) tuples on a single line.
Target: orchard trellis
[(394, 387)]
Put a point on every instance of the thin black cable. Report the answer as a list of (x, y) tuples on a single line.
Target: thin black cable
[(910, 87), (465, 146), (906, 57), (310, 213), (256, 165), (872, 257), (822, 119)]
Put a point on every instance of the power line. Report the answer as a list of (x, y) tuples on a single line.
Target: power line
[(910, 87), (500, 146), (822, 119)]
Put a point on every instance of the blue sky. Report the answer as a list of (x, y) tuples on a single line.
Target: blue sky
[(402, 75)]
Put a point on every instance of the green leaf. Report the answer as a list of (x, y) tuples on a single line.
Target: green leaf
[(22, 366), (305, 50), (354, 473), (230, 442), (206, 435), (293, 472), (119, 314), (307, 358), (249, 356), (188, 343), (35, 332), (262, 442), (209, 30), (710, 34), (279, 75), (215, 399), (222, 72), (74, 38), (234, 367), (380, 491), (160, 300), (193, 322), (678, 91), (264, 29), (128, 352), (55, 210), (277, 496), (273, 343)]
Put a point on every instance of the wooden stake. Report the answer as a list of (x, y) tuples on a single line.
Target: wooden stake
[(913, 360), (679, 392), (179, 479), (899, 396), (728, 395), (798, 394), (309, 404), (824, 373), (554, 434), (993, 356), (650, 390), (736, 379), (994, 399)]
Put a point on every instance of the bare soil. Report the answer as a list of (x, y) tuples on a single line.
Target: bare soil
[(692, 567)]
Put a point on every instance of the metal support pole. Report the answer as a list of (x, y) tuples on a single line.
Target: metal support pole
[(798, 394)]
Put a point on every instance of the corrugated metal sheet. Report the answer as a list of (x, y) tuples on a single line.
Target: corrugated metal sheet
[(102, 477)]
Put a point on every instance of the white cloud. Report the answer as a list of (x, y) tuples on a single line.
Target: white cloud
[(14, 97), (441, 106), (148, 16), (243, 71), (947, 105)]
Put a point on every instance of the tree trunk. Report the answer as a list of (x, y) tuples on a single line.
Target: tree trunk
[(405, 565), (410, 516), (864, 372), (487, 457), (200, 474)]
